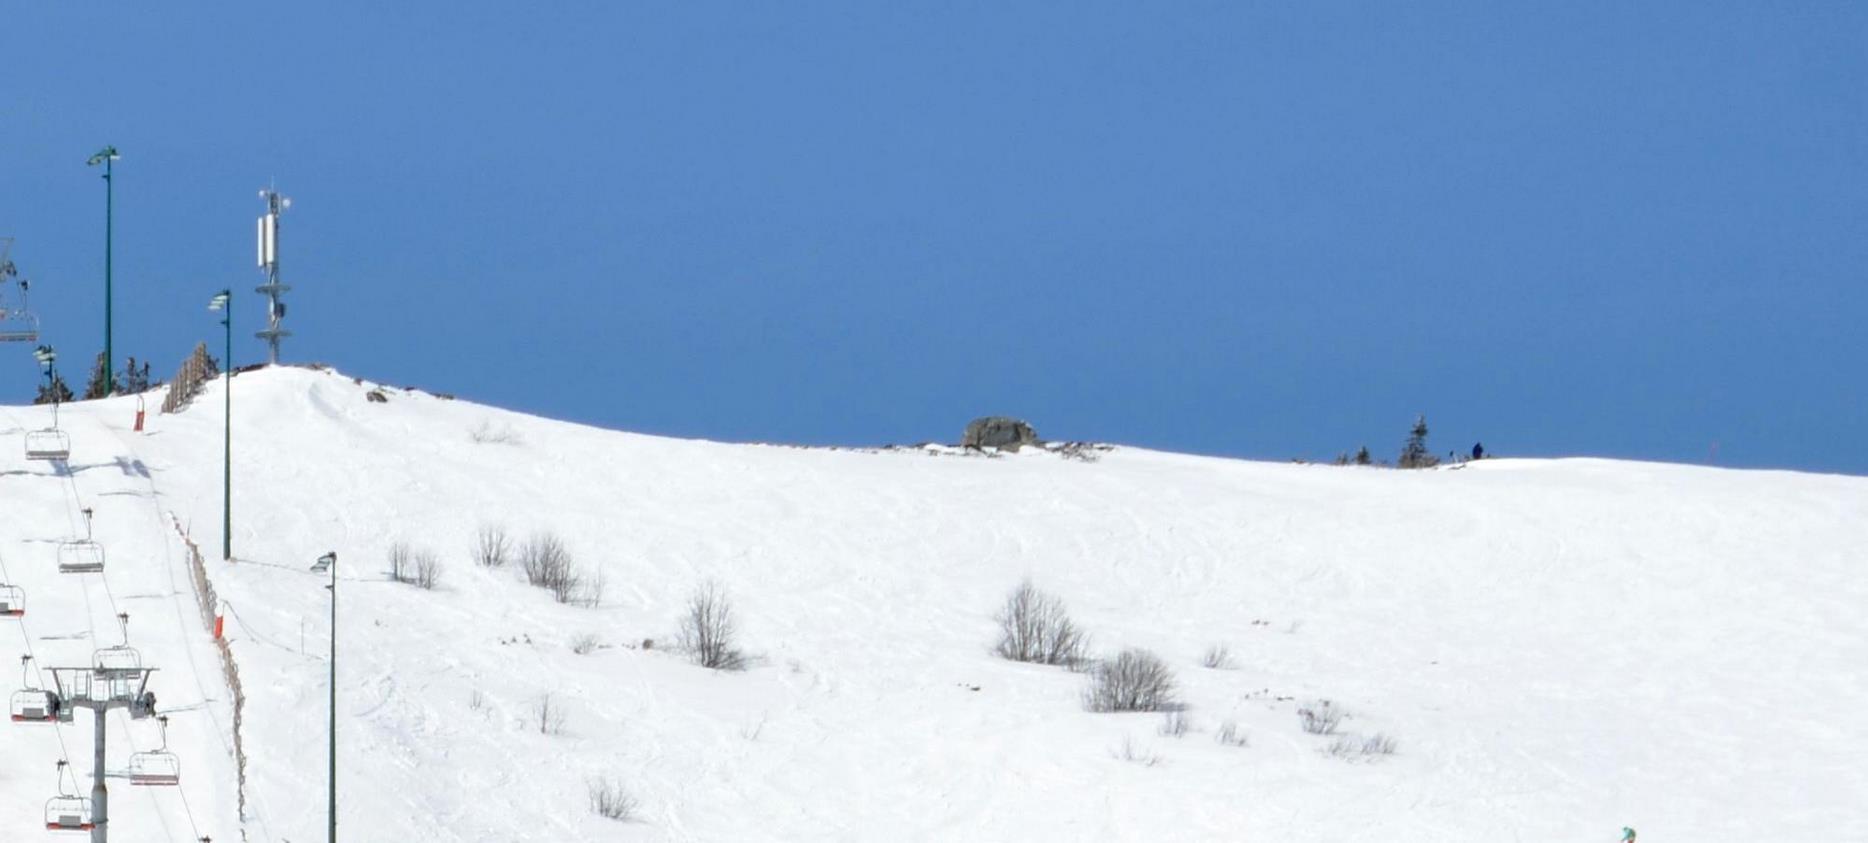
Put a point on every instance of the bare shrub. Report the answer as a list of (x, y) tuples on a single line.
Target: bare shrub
[(549, 715), (708, 629), (1129, 752), (1218, 657), (427, 570), (584, 644), (401, 562), (485, 433), (1174, 725), (477, 701), (610, 800), (1230, 734), (491, 547), (1352, 747), (1135, 680), (590, 595), (1320, 717), (1033, 627), (548, 565)]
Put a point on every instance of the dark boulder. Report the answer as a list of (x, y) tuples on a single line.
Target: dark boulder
[(999, 432)]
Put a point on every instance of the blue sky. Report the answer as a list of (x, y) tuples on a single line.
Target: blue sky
[(1264, 229)]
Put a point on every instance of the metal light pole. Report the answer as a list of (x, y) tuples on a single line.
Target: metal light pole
[(220, 303), (47, 357), (105, 156), (328, 562)]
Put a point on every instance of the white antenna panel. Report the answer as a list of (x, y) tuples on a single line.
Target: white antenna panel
[(268, 239)]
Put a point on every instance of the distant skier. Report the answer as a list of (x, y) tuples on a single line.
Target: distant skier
[(1478, 451)]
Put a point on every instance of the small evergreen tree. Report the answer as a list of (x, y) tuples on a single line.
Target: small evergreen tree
[(55, 392), (94, 388), (133, 379), (1363, 458), (1415, 454)]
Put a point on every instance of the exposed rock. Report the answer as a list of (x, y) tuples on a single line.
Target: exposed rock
[(999, 432)]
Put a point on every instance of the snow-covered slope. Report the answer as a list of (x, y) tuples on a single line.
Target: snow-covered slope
[(1559, 648)]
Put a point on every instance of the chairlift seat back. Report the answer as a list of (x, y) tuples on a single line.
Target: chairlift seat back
[(33, 706), (48, 444), (155, 769), (68, 813), (80, 556)]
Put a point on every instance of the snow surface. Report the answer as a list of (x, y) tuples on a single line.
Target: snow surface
[(1559, 647)]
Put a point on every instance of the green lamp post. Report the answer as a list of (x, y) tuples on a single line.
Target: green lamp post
[(106, 156)]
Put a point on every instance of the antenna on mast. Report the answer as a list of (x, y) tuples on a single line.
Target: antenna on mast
[(268, 247)]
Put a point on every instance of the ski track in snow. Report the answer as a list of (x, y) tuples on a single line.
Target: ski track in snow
[(1560, 647)]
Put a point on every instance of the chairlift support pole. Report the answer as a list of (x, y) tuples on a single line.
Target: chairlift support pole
[(100, 795), (138, 702)]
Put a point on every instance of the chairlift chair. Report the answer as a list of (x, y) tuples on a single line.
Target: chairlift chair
[(34, 705), (120, 657), (158, 768), (17, 325), (48, 444), (80, 556), (12, 601), (68, 813)]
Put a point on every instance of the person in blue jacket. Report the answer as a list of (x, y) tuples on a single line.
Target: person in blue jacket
[(1478, 451)]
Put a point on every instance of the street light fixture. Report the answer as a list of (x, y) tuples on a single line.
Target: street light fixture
[(220, 303), (106, 157), (46, 357), (328, 562)]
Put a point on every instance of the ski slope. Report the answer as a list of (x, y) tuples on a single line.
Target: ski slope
[(1559, 648)]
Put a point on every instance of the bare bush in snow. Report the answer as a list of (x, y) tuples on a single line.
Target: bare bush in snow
[(1218, 657), (1174, 724), (427, 570), (590, 595), (401, 562), (491, 547), (1133, 754), (1135, 680), (1229, 734), (1353, 747), (1033, 627), (548, 565), (584, 644), (708, 630), (610, 800), (1320, 717), (549, 714), (485, 433)]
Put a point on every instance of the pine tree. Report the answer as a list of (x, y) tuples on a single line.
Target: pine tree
[(1415, 454), (134, 379), (1363, 458), (94, 388), (55, 392)]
